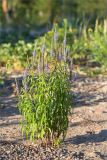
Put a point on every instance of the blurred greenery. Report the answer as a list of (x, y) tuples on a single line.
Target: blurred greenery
[(40, 12), (24, 21), (28, 19), (87, 46)]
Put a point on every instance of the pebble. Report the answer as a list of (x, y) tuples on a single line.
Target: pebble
[(20, 152)]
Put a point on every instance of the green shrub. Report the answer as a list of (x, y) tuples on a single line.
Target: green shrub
[(45, 99), (45, 103)]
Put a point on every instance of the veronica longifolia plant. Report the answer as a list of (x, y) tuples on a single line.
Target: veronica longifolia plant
[(46, 102), (46, 105)]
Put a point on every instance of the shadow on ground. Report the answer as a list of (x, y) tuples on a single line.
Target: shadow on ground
[(88, 138), (8, 98), (89, 92), (8, 107)]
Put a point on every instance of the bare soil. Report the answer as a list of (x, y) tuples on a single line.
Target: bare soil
[(87, 133)]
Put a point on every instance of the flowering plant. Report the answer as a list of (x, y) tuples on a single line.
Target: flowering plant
[(45, 99)]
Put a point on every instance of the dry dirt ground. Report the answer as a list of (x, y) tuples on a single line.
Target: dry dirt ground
[(87, 133)]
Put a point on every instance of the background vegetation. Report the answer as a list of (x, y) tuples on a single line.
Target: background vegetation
[(40, 12), (22, 22)]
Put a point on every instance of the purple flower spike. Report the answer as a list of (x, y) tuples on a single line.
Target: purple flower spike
[(25, 74), (46, 66), (39, 67), (43, 48), (52, 53), (25, 78), (60, 57), (55, 36), (34, 53), (71, 64), (25, 86), (75, 76), (66, 52), (64, 41)]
